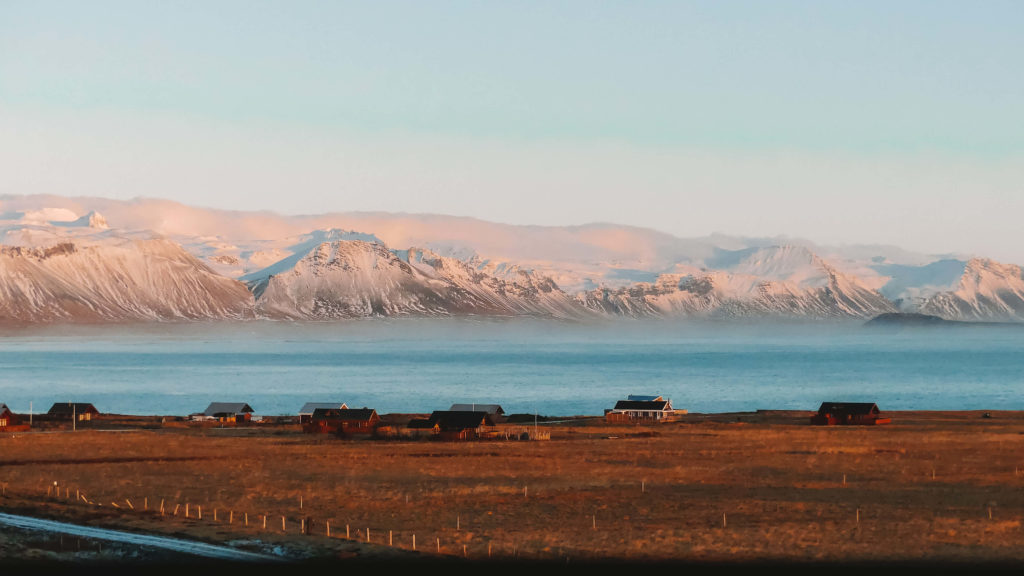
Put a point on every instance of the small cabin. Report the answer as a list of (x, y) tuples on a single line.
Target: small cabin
[(229, 412), (848, 413), (9, 421), (639, 409), (462, 424), (343, 421), (78, 411), (306, 412)]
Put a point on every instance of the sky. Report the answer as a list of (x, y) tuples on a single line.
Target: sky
[(839, 122)]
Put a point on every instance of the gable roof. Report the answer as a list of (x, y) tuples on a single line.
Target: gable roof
[(72, 407), (489, 408), (848, 408), (659, 405), (309, 407), (346, 414), (226, 408), (642, 398), (4, 408), (460, 419)]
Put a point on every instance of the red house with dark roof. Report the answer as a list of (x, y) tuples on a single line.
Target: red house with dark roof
[(343, 422), (848, 413)]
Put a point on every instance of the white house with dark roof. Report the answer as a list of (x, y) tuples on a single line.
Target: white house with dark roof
[(306, 412), (647, 409)]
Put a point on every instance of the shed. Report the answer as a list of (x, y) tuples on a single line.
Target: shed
[(306, 412), (657, 410), (461, 424), (848, 413), (79, 411), (229, 411), (343, 421)]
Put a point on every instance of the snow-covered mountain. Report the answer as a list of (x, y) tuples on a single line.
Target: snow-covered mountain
[(149, 259), (356, 278), (113, 279), (774, 281)]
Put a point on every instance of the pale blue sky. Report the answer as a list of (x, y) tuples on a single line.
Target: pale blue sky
[(895, 122)]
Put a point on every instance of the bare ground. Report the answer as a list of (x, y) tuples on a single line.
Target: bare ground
[(932, 488)]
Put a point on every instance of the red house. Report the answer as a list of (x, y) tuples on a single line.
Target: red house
[(343, 422), (9, 421), (848, 413)]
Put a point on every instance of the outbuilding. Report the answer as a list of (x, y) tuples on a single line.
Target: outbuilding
[(78, 411), (848, 413)]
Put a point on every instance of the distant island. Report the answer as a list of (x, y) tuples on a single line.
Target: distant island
[(906, 319)]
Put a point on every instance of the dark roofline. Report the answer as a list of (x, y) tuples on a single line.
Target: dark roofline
[(660, 405)]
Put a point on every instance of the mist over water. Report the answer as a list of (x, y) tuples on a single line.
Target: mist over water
[(543, 366)]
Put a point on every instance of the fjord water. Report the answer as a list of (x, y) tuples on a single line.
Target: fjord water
[(527, 366)]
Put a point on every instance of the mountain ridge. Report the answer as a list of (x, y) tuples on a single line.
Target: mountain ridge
[(332, 271)]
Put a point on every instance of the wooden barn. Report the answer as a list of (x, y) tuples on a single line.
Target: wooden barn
[(9, 421), (306, 412), (229, 412), (645, 409), (848, 413), (343, 422), (462, 424), (78, 411)]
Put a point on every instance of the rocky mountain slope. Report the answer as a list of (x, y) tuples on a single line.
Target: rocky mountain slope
[(61, 260), (121, 279)]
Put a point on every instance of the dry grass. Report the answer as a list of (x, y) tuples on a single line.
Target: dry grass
[(769, 487)]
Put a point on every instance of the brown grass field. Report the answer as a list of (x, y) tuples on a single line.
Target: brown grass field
[(931, 487)]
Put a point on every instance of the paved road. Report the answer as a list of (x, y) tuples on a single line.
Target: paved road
[(163, 542)]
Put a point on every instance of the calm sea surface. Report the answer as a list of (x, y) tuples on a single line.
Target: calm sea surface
[(528, 366)]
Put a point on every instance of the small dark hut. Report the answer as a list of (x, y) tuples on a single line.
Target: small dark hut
[(848, 413), (79, 411)]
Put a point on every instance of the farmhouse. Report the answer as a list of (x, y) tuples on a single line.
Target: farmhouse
[(342, 421), (462, 424), (848, 413), (237, 412), (79, 411), (306, 412), (647, 409)]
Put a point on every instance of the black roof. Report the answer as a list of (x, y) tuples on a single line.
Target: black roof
[(460, 419), (72, 407), (848, 408), (641, 405), (347, 414)]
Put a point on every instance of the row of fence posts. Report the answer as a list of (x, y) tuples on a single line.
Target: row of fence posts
[(196, 512), (54, 490)]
